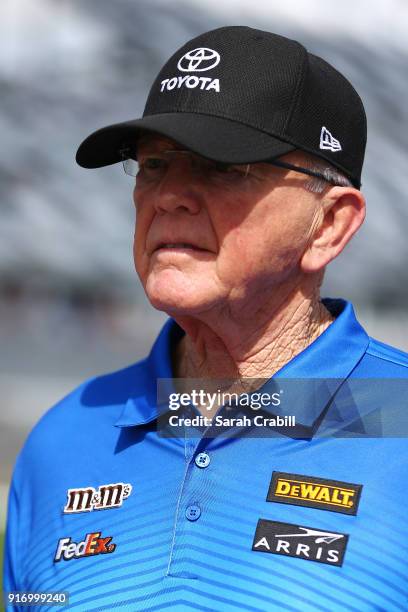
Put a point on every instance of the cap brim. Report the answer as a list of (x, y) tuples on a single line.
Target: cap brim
[(212, 137)]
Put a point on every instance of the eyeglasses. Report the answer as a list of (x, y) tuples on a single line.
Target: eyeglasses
[(155, 165)]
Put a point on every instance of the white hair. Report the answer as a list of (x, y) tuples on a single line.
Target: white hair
[(318, 185)]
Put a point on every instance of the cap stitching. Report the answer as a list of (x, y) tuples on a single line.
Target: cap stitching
[(299, 87)]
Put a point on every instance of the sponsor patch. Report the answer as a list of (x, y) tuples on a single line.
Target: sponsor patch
[(199, 60), (299, 541), (196, 60), (92, 545), (89, 498), (313, 492), (191, 82)]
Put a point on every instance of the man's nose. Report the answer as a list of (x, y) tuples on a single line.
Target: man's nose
[(179, 190)]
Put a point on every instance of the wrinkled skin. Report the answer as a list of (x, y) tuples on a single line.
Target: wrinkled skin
[(247, 293)]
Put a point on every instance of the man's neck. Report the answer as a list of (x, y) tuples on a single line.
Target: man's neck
[(253, 347)]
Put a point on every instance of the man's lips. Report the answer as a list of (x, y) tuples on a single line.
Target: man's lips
[(177, 246)]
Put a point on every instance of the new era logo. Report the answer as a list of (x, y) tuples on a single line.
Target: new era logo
[(328, 142)]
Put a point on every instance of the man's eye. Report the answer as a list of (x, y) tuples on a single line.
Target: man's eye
[(223, 168), (234, 170), (153, 163)]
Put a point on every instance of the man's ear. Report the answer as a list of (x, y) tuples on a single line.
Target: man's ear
[(343, 211)]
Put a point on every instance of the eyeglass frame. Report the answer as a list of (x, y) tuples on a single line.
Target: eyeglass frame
[(272, 162)]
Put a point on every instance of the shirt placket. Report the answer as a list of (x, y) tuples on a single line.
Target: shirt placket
[(191, 504)]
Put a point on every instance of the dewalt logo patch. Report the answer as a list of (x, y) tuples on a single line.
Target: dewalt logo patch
[(313, 492)]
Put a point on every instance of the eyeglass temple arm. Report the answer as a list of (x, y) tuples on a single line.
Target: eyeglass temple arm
[(315, 173)]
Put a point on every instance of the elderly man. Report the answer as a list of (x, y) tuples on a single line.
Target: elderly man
[(248, 161)]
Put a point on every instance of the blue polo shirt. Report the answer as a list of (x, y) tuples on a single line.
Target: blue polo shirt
[(107, 510)]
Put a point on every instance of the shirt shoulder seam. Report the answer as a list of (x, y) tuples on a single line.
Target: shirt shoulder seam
[(373, 351)]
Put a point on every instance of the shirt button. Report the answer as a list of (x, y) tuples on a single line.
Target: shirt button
[(202, 460), (193, 512)]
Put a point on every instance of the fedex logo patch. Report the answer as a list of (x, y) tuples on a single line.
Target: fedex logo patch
[(92, 545)]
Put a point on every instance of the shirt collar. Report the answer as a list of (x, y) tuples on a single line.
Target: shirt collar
[(333, 355), (141, 408)]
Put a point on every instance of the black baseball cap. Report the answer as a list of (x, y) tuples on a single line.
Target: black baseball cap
[(240, 95)]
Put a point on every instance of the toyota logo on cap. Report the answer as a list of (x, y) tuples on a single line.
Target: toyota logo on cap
[(199, 60)]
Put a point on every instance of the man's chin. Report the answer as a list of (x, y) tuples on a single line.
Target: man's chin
[(178, 292), (178, 303), (177, 308)]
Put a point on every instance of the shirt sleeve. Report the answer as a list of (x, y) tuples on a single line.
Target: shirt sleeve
[(12, 571)]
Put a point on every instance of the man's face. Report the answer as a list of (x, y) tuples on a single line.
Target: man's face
[(208, 237)]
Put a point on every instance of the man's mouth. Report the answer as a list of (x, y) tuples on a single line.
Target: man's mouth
[(178, 245)]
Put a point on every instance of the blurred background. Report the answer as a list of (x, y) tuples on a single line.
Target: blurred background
[(70, 304)]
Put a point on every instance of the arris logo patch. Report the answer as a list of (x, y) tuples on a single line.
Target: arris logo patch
[(299, 541), (313, 492)]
